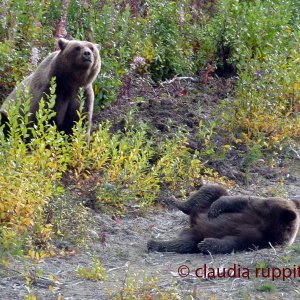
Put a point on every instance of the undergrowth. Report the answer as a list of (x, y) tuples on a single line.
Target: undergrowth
[(126, 168), (261, 46), (143, 287)]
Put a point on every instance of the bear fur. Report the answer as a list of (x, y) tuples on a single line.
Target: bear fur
[(75, 65), (220, 223)]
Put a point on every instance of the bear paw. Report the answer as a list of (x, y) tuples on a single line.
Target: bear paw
[(151, 245), (208, 245)]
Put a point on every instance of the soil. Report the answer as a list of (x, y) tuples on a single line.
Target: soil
[(120, 243)]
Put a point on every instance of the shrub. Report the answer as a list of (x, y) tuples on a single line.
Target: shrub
[(29, 180), (143, 287), (95, 273), (127, 169), (267, 93)]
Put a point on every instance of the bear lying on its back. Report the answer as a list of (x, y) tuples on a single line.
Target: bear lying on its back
[(222, 223), (75, 65)]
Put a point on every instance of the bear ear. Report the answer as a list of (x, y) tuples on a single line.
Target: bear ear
[(97, 46), (62, 43), (296, 202), (288, 215)]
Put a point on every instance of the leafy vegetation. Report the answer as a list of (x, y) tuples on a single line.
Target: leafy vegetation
[(261, 47), (143, 287), (95, 273), (119, 163), (255, 41)]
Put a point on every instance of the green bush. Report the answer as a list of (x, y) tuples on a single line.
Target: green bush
[(259, 41), (243, 30), (29, 179)]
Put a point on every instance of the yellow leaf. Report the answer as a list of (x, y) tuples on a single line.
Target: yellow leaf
[(296, 86), (5, 263)]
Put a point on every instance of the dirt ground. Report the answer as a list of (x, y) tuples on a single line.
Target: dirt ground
[(123, 253)]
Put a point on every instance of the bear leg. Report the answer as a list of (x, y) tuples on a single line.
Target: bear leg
[(201, 200), (219, 246)]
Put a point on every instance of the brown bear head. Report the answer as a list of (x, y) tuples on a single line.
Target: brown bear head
[(283, 218), (84, 54), (77, 63)]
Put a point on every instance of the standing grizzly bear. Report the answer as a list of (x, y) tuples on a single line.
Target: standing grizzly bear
[(220, 223), (75, 65)]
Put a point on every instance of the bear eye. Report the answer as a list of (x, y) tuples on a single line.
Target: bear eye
[(77, 48), (91, 48)]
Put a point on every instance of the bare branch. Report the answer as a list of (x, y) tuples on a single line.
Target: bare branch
[(296, 152), (192, 79)]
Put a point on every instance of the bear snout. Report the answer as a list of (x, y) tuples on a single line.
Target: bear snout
[(87, 55)]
